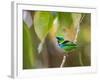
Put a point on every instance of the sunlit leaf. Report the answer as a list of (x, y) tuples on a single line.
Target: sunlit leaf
[(65, 19), (28, 59), (43, 21), (76, 18)]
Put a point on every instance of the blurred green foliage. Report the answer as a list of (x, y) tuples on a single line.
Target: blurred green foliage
[(28, 56), (65, 19), (43, 21), (41, 30)]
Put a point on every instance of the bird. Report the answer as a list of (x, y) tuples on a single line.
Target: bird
[(66, 45)]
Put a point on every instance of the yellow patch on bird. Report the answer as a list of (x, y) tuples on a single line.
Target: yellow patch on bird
[(70, 33)]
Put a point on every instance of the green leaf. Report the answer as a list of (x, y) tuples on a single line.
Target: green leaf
[(76, 18), (65, 19), (28, 57), (43, 21)]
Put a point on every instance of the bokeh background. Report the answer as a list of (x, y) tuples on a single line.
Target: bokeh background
[(40, 29)]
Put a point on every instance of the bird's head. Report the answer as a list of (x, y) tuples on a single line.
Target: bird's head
[(60, 39)]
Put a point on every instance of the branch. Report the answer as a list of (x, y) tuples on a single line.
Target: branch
[(78, 29), (63, 61)]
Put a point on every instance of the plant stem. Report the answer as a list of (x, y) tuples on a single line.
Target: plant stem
[(78, 29), (63, 61), (80, 59)]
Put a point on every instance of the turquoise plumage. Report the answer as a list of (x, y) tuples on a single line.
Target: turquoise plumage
[(65, 44)]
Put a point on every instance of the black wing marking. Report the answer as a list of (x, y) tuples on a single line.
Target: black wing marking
[(60, 38), (68, 43), (65, 42)]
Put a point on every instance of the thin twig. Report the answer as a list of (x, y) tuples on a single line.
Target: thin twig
[(78, 29), (63, 61), (80, 59)]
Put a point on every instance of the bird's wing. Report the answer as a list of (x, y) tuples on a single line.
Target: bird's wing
[(68, 43), (65, 42)]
